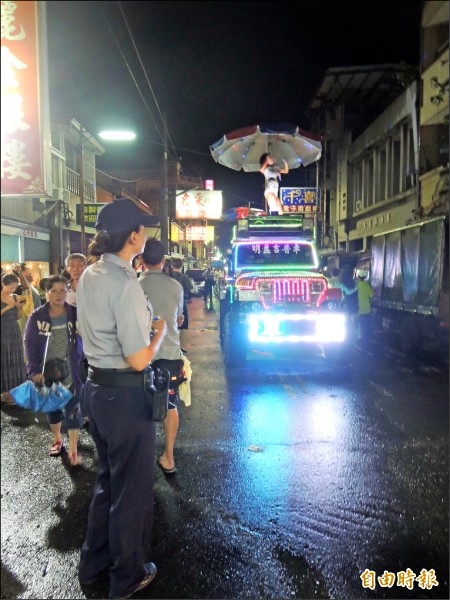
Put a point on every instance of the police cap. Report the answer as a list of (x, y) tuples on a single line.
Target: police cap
[(124, 214)]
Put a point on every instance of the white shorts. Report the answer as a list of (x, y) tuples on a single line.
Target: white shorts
[(271, 188)]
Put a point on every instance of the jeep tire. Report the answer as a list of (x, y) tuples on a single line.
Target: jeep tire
[(234, 344)]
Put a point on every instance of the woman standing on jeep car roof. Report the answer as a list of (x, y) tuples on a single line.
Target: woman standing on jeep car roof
[(56, 322), (271, 174)]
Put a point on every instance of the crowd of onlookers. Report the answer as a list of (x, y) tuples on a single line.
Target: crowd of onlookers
[(31, 310), (28, 351)]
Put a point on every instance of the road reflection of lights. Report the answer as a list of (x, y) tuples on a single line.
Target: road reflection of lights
[(265, 424), (299, 439), (324, 420), (264, 414)]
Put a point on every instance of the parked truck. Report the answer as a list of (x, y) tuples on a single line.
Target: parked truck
[(276, 294), (408, 272)]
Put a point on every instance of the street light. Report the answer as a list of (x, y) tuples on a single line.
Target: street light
[(108, 135), (111, 135)]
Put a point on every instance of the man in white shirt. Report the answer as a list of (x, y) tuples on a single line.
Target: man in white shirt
[(75, 265), (166, 296)]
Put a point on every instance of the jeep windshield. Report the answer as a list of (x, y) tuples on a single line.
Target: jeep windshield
[(275, 253)]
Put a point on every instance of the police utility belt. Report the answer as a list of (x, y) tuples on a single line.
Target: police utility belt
[(153, 381), (116, 378)]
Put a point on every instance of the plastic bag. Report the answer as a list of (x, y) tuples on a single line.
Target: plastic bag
[(41, 399)]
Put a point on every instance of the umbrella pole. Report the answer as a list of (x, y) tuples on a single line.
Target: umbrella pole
[(46, 350), (266, 205)]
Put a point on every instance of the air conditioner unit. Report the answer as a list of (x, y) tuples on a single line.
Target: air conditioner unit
[(358, 205), (66, 196), (57, 193)]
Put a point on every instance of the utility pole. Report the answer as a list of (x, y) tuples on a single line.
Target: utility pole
[(324, 194), (82, 229), (318, 204), (164, 201)]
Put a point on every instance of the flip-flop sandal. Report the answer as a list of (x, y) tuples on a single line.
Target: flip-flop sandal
[(56, 449), (165, 470), (7, 399)]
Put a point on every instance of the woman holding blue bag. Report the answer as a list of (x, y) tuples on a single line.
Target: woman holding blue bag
[(54, 350)]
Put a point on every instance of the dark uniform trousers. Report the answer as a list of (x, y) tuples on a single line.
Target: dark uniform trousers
[(121, 510)]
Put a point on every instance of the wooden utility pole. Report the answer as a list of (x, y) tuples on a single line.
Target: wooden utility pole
[(164, 193), (82, 225), (317, 204)]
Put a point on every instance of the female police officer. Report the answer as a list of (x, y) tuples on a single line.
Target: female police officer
[(115, 323)]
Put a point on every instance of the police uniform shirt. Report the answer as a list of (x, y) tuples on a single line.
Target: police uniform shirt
[(166, 297), (114, 315)]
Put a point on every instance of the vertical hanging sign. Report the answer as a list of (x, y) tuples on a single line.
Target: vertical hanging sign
[(24, 118)]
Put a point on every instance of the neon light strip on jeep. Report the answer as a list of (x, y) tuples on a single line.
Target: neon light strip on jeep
[(275, 253), (284, 287)]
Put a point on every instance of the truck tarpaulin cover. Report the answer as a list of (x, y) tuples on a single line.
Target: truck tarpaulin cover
[(406, 266)]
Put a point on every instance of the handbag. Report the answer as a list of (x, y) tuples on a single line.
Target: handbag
[(56, 370)]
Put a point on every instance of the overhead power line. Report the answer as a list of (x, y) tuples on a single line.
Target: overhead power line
[(148, 80), (131, 74), (173, 154)]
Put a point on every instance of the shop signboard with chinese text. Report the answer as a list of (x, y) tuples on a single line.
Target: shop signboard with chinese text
[(199, 204), (196, 233), (300, 200), (90, 214), (26, 158)]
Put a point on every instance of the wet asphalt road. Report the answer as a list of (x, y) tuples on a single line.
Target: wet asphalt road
[(293, 479)]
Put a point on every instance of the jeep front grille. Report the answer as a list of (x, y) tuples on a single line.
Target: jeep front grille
[(291, 290)]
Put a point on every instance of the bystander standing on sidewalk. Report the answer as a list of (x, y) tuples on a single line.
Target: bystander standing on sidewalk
[(23, 291), (166, 297), (365, 294), (75, 265), (334, 281), (12, 359), (26, 272), (52, 343), (177, 265), (208, 289)]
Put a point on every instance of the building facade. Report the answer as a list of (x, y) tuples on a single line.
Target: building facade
[(434, 110), (385, 139), (42, 231)]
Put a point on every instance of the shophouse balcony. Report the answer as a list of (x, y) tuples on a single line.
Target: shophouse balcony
[(73, 185)]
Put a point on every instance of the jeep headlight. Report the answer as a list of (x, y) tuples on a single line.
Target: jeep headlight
[(331, 327)]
